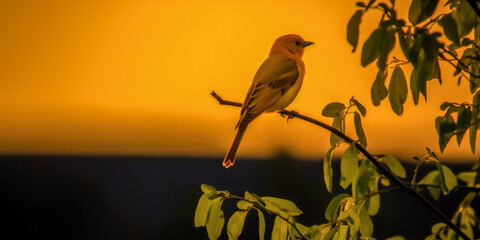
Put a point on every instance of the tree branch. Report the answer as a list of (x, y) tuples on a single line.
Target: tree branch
[(383, 169)]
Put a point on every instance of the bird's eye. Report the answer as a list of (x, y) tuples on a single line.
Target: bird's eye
[(297, 43)]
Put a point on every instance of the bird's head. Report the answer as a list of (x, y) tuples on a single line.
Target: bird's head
[(290, 45)]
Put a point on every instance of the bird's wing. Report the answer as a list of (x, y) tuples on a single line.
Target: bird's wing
[(274, 77)]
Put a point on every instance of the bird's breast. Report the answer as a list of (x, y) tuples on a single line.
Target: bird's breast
[(288, 97)]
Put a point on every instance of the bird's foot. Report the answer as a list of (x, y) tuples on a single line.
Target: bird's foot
[(288, 114)]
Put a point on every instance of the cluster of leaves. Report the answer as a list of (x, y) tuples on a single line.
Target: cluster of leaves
[(468, 115), (349, 217), (423, 50), (209, 214)]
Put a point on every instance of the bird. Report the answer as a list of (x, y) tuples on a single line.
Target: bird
[(275, 85)]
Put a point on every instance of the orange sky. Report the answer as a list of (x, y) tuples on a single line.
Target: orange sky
[(133, 77)]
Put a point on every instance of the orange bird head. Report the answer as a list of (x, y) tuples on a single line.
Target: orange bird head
[(290, 45)]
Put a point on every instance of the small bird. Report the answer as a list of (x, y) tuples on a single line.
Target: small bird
[(274, 86)]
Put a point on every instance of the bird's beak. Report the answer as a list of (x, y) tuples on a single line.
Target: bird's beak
[(306, 43)]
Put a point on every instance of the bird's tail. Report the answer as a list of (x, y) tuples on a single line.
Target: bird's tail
[(232, 153)]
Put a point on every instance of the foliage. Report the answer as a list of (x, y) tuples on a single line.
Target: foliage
[(364, 176)]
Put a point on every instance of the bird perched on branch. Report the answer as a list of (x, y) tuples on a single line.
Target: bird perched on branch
[(274, 87)]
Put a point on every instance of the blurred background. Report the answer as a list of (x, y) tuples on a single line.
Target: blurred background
[(107, 128)]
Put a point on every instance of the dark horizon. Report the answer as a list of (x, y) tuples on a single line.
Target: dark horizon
[(55, 197)]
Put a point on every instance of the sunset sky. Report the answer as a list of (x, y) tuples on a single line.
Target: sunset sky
[(134, 77)]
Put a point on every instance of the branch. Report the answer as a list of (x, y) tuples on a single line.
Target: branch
[(383, 169)]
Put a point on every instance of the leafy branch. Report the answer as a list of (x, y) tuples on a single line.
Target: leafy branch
[(369, 156)]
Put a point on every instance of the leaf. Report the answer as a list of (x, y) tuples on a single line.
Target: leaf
[(450, 28), (385, 46), (285, 205), (445, 127), (450, 178), (463, 122), (209, 190), (261, 225), (366, 228), (432, 178), (369, 49), (359, 130), (420, 10), (414, 88), (343, 232), (333, 109), (360, 107), (327, 170), (331, 213), (438, 227), (348, 165), (468, 177), (280, 228), (360, 4), (465, 18), (394, 165), (474, 118), (379, 91), (353, 27), (215, 220), (337, 124), (235, 224), (244, 205), (201, 213), (396, 238), (398, 90)]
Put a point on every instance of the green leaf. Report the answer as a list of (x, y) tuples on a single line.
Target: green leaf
[(343, 232), (327, 170), (280, 228), (366, 228), (337, 124), (360, 107), (468, 177), (201, 213), (331, 213), (209, 190), (373, 203), (369, 49), (352, 29), (445, 127), (244, 205), (385, 182), (385, 46), (287, 206), (432, 178), (465, 17), (215, 219), (450, 28), (379, 91), (474, 118), (396, 238), (449, 176), (420, 10), (261, 225), (394, 165), (398, 90), (463, 122), (235, 224), (332, 109), (438, 227), (348, 165), (414, 86), (359, 130)]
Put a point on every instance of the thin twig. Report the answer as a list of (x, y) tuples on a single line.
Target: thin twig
[(383, 169)]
